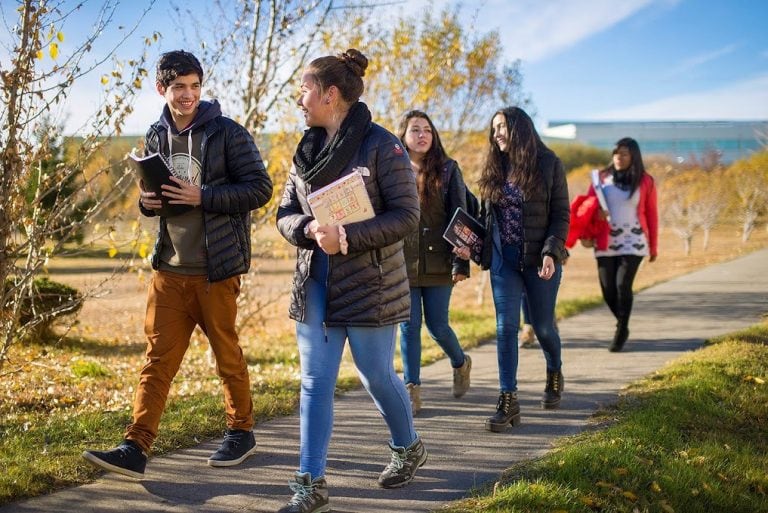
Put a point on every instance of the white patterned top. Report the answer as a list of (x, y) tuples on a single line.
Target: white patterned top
[(626, 236)]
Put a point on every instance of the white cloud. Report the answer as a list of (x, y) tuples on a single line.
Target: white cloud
[(744, 100), (533, 30), (701, 59)]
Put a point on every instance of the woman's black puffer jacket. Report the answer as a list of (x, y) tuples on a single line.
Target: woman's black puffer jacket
[(546, 216), (369, 285), (234, 181), (428, 256)]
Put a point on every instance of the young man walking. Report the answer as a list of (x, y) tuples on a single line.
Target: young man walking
[(198, 258)]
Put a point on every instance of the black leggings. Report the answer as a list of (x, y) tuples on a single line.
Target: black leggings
[(617, 273)]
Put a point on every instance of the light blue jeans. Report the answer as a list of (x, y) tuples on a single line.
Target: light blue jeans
[(507, 284), (435, 302), (320, 351)]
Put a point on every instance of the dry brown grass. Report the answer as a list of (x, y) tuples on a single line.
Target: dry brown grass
[(108, 334)]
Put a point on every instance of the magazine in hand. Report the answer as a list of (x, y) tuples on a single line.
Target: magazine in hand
[(598, 186), (154, 171), (343, 201), (465, 230)]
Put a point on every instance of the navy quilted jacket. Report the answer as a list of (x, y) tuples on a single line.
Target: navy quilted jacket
[(234, 182), (369, 285)]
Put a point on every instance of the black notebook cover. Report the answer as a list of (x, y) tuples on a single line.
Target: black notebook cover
[(464, 230), (154, 171)]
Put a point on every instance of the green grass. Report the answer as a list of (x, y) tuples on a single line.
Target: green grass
[(40, 450), (83, 368), (691, 438)]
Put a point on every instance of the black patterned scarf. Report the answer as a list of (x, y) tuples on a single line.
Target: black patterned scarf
[(319, 164)]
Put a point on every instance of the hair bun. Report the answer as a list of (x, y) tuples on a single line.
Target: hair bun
[(356, 61)]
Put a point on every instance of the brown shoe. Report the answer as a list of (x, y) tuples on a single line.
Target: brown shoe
[(527, 337), (461, 377), (414, 391)]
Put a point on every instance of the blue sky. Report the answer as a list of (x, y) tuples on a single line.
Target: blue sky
[(582, 60)]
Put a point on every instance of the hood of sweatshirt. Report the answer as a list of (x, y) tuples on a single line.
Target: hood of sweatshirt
[(206, 111)]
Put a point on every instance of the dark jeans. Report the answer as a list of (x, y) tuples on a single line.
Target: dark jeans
[(435, 301), (508, 282), (617, 273)]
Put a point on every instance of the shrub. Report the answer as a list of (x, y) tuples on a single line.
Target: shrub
[(48, 303), (89, 369)]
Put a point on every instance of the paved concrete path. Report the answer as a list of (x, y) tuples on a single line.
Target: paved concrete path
[(668, 320)]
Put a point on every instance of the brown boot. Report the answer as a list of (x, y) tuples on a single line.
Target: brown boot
[(414, 392), (461, 377), (527, 337)]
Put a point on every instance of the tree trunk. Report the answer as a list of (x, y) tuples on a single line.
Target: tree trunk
[(481, 285)]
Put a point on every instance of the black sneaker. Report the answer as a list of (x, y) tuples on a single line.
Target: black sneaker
[(127, 459), (309, 495), (237, 446), (402, 468), (619, 338)]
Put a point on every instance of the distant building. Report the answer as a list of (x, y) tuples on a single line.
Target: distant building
[(681, 140)]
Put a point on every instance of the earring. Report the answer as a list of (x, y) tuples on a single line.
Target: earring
[(327, 100)]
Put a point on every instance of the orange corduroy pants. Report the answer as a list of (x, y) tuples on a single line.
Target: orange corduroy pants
[(176, 303)]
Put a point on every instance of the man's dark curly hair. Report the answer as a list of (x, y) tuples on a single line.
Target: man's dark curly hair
[(177, 64)]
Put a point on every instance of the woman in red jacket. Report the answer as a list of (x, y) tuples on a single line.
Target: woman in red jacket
[(632, 231)]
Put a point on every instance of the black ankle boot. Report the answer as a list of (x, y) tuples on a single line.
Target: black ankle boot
[(507, 413), (619, 337), (552, 391)]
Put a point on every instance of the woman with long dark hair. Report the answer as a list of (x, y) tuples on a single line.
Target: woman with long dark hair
[(433, 269), (525, 210), (632, 228)]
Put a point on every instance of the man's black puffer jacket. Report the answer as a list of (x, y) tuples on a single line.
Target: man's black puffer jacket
[(234, 182), (369, 285), (546, 216)]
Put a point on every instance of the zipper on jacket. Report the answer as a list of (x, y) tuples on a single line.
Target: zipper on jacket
[(377, 253), (327, 288)]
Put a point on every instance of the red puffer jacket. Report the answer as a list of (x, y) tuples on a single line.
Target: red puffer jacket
[(587, 224)]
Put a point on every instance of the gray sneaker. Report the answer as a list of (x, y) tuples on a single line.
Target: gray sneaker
[(309, 495), (402, 468), (237, 445)]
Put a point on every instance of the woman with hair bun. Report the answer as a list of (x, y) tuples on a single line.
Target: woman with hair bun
[(350, 282)]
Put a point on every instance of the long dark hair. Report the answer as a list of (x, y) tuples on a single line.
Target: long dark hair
[(629, 179), (430, 180), (518, 163)]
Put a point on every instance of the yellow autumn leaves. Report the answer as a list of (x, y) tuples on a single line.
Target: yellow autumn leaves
[(138, 244), (53, 47)]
